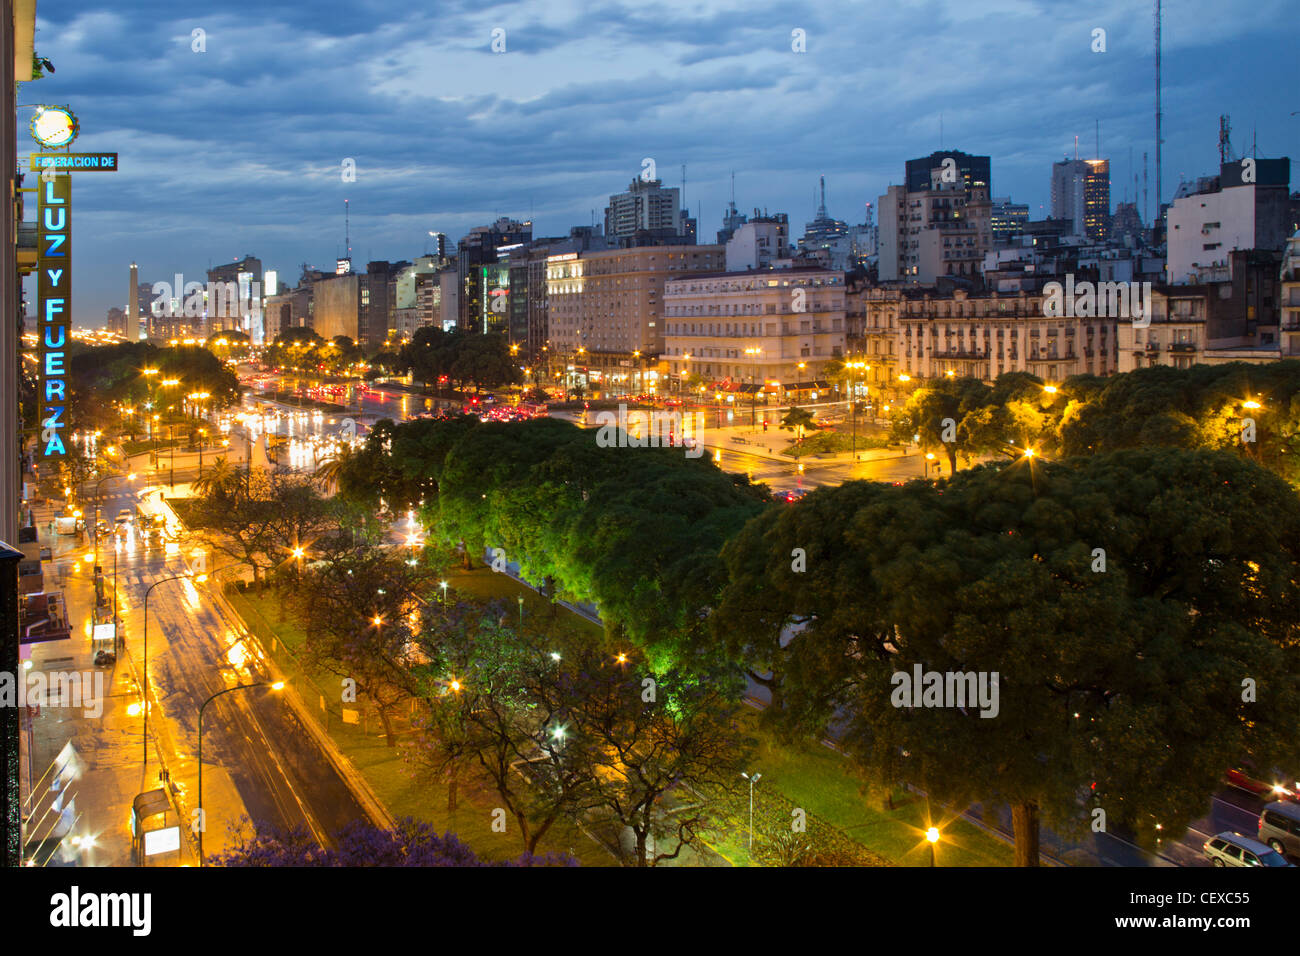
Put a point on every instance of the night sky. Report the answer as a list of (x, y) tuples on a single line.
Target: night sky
[(239, 149)]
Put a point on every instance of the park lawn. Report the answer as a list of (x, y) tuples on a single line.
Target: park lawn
[(484, 583), (812, 776), (389, 775), (819, 779)]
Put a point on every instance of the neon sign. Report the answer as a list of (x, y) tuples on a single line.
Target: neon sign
[(54, 297)]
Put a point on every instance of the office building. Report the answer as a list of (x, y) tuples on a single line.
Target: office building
[(1081, 194), (1007, 219), (943, 230), (483, 280)]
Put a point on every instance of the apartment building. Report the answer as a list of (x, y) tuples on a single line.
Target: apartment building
[(1233, 318), (761, 329), (1289, 299), (605, 307), (986, 335)]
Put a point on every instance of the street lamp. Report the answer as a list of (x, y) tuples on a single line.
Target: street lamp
[(144, 657), (443, 585), (929, 457), (753, 408), (203, 823), (932, 837), (752, 780)]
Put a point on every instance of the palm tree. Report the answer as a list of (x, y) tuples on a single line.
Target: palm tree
[(332, 467), (218, 480)]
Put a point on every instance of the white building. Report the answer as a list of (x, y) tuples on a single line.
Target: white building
[(758, 242), (757, 328), (1245, 207)]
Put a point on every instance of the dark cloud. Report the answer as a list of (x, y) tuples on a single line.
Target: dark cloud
[(239, 149)]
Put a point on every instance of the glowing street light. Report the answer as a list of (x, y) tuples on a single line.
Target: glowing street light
[(932, 837)]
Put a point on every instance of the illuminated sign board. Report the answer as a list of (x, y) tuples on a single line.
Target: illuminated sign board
[(162, 841), (82, 162), (54, 305)]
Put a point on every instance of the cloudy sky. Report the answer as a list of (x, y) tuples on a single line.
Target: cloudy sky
[(240, 148)]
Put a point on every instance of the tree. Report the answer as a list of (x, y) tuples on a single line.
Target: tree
[(219, 480), (361, 619), (408, 843), (241, 521), (797, 420), (1120, 684), (933, 413), (658, 749), (488, 724)]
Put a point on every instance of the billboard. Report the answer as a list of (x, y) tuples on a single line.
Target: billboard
[(54, 307)]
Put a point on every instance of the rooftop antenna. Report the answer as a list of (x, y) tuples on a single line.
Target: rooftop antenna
[(347, 232), (1076, 145), (684, 206), (1145, 194), (1159, 118), (821, 208), (1225, 142), (733, 187)]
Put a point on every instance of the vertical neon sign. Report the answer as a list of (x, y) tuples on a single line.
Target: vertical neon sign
[(54, 297)]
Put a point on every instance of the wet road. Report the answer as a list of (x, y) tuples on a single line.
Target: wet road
[(195, 651)]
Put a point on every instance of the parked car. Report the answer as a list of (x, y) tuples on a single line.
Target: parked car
[(1279, 827), (1233, 849)]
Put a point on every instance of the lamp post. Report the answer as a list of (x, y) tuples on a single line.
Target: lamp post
[(753, 395), (752, 780), (144, 658), (932, 837), (203, 823)]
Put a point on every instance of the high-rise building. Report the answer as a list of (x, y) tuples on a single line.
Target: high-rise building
[(826, 233), (484, 282), (647, 214), (940, 229), (973, 171), (605, 309), (1007, 218), (243, 311), (1081, 194)]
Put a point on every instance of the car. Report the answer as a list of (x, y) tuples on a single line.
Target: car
[(1233, 849), (789, 497), (124, 516), (1274, 785), (1279, 827)]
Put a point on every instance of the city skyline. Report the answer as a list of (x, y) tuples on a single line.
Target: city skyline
[(244, 140)]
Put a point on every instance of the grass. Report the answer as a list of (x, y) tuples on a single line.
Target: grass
[(803, 775), (384, 767), (820, 780)]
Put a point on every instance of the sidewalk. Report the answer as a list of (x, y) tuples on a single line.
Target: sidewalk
[(108, 769)]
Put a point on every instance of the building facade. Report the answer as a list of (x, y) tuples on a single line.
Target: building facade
[(773, 328), (605, 308)]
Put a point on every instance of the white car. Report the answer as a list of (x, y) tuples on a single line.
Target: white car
[(1233, 849)]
